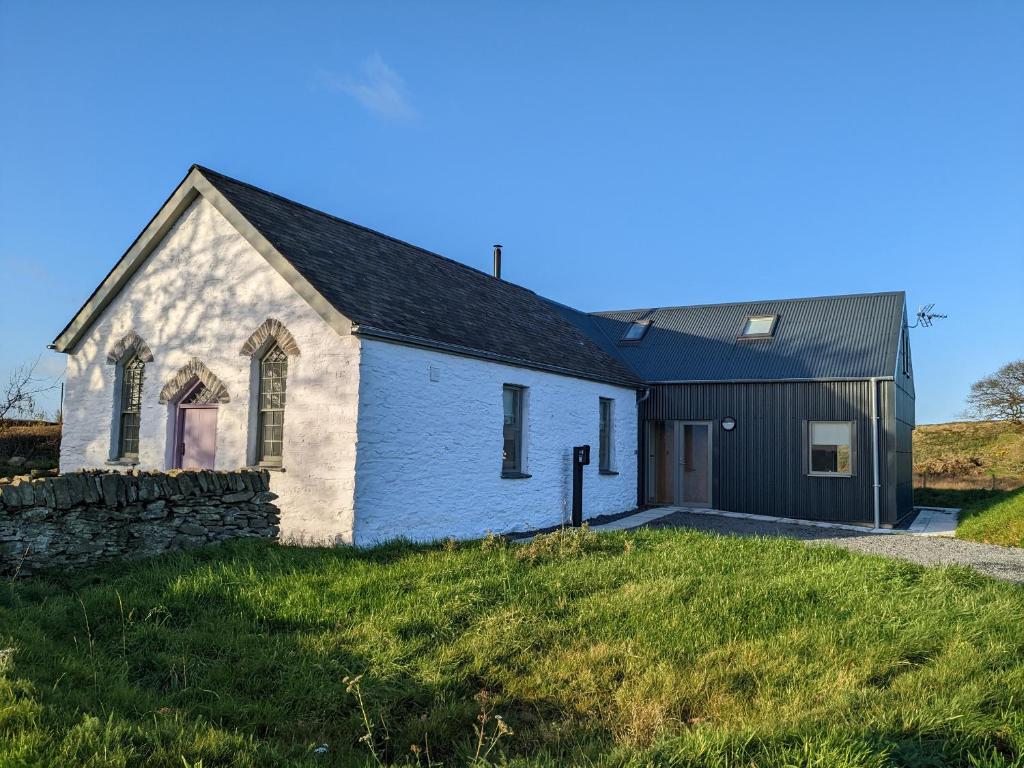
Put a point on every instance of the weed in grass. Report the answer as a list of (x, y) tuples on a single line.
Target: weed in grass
[(353, 687), (486, 742), (567, 543)]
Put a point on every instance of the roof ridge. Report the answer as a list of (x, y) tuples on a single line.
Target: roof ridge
[(203, 169), (607, 312), (462, 272)]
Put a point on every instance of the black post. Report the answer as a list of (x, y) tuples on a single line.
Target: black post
[(580, 459)]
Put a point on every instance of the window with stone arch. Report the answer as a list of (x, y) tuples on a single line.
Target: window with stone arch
[(130, 413), (129, 357), (271, 402), (269, 347)]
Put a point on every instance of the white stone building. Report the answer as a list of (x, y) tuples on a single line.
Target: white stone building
[(392, 391)]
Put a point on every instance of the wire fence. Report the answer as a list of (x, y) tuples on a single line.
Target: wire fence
[(968, 482)]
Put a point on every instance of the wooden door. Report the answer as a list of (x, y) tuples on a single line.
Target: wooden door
[(198, 446), (695, 463)]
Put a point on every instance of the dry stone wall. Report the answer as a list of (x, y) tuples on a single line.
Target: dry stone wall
[(82, 518)]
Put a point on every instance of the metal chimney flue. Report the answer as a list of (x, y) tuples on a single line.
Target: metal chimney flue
[(497, 260)]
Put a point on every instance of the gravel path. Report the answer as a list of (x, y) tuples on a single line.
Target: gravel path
[(1001, 562)]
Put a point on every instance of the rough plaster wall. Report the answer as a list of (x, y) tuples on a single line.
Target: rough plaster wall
[(429, 453), (201, 293)]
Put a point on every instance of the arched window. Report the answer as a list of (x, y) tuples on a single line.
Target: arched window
[(132, 371), (271, 401)]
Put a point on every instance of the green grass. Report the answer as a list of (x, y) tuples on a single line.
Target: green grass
[(651, 648), (992, 517), (970, 449)]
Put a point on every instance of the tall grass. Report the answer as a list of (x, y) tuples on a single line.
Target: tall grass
[(649, 648), (991, 517)]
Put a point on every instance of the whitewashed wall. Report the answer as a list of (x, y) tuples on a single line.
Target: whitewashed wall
[(201, 293), (428, 461)]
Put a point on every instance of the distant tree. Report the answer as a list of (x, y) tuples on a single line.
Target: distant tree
[(1000, 395), (18, 397)]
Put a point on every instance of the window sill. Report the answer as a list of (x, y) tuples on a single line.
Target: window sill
[(121, 462), (829, 474), (270, 467), (609, 472), (515, 476)]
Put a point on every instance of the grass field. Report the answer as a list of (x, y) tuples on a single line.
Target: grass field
[(654, 648), (970, 454)]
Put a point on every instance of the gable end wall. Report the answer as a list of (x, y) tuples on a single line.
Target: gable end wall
[(200, 294)]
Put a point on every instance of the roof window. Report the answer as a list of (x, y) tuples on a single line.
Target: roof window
[(636, 331), (759, 327)]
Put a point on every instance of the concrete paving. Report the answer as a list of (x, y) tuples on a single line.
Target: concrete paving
[(935, 521), (635, 520)]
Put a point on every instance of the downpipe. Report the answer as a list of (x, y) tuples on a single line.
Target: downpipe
[(641, 451), (874, 452)]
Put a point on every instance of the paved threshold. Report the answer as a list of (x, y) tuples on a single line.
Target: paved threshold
[(935, 521)]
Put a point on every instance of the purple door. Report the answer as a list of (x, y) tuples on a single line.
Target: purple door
[(198, 446)]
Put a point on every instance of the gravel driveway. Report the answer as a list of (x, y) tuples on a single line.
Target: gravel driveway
[(1001, 562)]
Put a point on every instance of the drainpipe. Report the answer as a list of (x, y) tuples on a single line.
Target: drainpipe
[(874, 451), (641, 452)]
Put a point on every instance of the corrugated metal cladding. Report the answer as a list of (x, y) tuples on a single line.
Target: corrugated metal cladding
[(833, 337), (760, 467), (905, 422)]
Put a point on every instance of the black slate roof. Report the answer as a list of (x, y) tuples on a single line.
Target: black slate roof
[(830, 337), (395, 290)]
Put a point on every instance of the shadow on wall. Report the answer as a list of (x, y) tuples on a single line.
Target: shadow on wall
[(183, 306)]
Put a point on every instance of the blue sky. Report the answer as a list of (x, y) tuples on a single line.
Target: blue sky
[(626, 155)]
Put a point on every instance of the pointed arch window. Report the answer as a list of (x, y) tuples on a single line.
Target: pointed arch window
[(132, 372), (271, 401)]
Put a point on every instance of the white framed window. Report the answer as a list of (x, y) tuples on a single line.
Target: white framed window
[(513, 399), (606, 435), (830, 446), (759, 327)]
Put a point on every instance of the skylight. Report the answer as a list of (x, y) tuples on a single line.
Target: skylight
[(759, 327), (636, 330)]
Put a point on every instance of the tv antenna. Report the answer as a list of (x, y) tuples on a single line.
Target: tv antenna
[(925, 316)]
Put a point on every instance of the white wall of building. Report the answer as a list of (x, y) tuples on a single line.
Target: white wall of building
[(201, 293), (428, 459)]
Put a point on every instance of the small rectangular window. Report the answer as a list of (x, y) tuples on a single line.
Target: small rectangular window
[(759, 327), (512, 451), (636, 330), (605, 437), (831, 447)]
